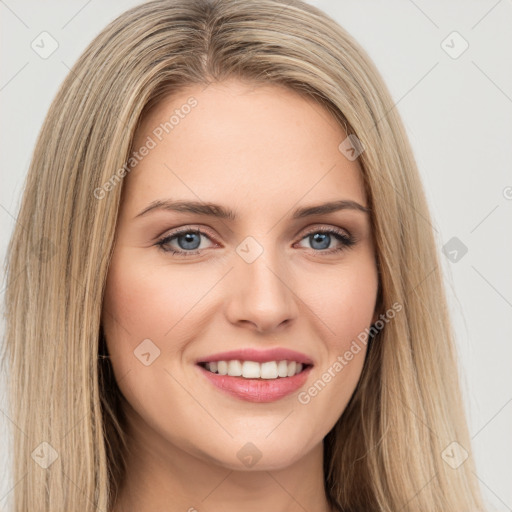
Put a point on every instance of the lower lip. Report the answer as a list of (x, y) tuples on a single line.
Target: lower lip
[(257, 390)]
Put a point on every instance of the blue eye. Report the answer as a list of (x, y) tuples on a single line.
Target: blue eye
[(320, 238), (189, 240)]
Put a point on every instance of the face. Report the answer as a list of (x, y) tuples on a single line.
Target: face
[(253, 277)]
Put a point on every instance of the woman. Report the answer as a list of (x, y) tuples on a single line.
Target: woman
[(221, 213)]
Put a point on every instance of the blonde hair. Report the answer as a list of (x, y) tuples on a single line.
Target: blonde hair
[(385, 452)]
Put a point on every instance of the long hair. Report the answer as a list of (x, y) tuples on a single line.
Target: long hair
[(388, 449)]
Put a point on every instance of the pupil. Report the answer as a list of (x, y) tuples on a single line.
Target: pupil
[(319, 237), (189, 241)]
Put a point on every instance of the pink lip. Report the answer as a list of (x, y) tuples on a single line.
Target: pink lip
[(257, 390), (259, 356)]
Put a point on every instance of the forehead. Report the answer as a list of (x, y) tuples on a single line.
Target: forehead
[(235, 142)]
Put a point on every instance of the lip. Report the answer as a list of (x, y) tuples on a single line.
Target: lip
[(257, 390), (259, 356)]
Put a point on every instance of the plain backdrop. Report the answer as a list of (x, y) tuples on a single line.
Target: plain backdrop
[(448, 65)]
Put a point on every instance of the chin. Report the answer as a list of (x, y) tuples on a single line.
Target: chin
[(260, 454)]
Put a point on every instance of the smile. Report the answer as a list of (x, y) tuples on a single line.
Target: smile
[(259, 382), (255, 370)]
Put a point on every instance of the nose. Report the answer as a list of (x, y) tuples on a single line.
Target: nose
[(261, 294)]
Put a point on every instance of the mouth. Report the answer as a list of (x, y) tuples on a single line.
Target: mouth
[(255, 370), (252, 381)]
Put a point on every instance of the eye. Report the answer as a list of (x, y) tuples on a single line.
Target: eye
[(321, 238), (188, 241)]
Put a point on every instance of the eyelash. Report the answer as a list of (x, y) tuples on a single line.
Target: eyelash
[(347, 241)]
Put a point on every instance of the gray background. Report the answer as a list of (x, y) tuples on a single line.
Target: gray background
[(457, 112)]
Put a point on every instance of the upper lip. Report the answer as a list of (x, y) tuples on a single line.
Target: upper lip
[(259, 356)]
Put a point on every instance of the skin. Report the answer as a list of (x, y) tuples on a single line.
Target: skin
[(261, 151)]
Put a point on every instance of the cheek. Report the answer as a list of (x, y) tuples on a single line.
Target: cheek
[(143, 311), (347, 315), (355, 306), (141, 303), (344, 300)]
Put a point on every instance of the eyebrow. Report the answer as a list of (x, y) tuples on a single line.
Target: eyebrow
[(216, 210)]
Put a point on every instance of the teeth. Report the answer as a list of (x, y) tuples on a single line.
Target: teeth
[(254, 370), (282, 369), (222, 367), (251, 370), (269, 370), (235, 368)]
